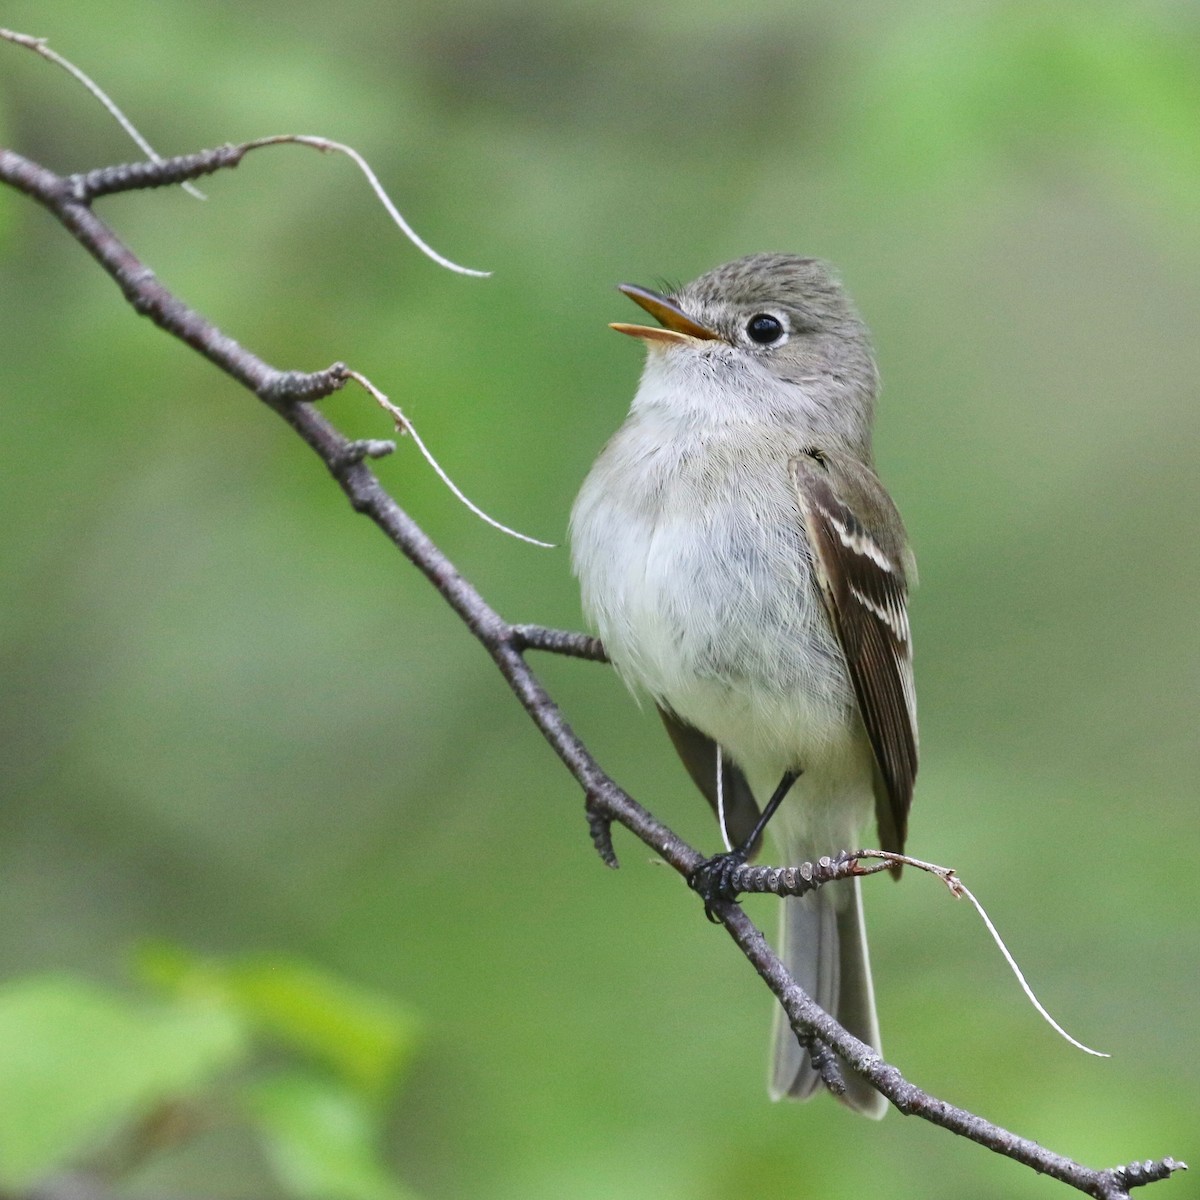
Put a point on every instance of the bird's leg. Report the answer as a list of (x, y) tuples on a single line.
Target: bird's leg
[(713, 878), (777, 796)]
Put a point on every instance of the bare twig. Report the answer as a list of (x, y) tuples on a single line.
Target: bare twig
[(166, 172), (290, 394), (559, 641), (41, 46)]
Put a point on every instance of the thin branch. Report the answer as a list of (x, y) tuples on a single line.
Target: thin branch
[(41, 46), (290, 395), (559, 641), (166, 172)]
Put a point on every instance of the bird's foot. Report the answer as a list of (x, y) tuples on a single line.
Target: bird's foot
[(715, 879)]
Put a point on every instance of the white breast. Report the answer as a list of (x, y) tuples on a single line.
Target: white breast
[(694, 570)]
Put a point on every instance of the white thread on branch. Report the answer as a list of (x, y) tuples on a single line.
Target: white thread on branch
[(1016, 970), (326, 146), (959, 889), (40, 46), (405, 426), (721, 800)]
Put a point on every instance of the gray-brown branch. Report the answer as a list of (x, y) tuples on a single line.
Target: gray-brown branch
[(291, 394)]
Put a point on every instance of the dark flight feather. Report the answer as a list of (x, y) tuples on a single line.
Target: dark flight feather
[(863, 571)]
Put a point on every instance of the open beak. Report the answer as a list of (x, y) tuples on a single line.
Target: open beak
[(676, 325)]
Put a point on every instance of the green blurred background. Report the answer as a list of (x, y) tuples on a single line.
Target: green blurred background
[(232, 716)]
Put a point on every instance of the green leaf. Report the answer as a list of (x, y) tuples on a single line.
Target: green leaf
[(77, 1060), (321, 1139), (365, 1037)]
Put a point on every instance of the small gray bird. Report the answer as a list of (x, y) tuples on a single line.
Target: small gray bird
[(746, 569)]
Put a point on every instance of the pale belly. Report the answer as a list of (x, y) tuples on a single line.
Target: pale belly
[(703, 597)]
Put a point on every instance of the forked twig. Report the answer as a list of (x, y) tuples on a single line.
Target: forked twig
[(41, 46)]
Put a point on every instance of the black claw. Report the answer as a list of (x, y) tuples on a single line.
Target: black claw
[(713, 880)]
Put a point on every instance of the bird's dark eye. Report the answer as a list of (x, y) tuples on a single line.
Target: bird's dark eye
[(764, 329)]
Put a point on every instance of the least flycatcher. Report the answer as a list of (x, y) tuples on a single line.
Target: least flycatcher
[(744, 566)]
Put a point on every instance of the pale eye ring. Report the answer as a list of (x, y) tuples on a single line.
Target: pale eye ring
[(765, 329)]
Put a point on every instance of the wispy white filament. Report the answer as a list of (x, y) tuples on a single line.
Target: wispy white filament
[(404, 425), (721, 799), (330, 147), (1012, 962), (958, 888), (39, 46)]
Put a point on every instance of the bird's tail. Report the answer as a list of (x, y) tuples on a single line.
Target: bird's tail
[(824, 946)]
